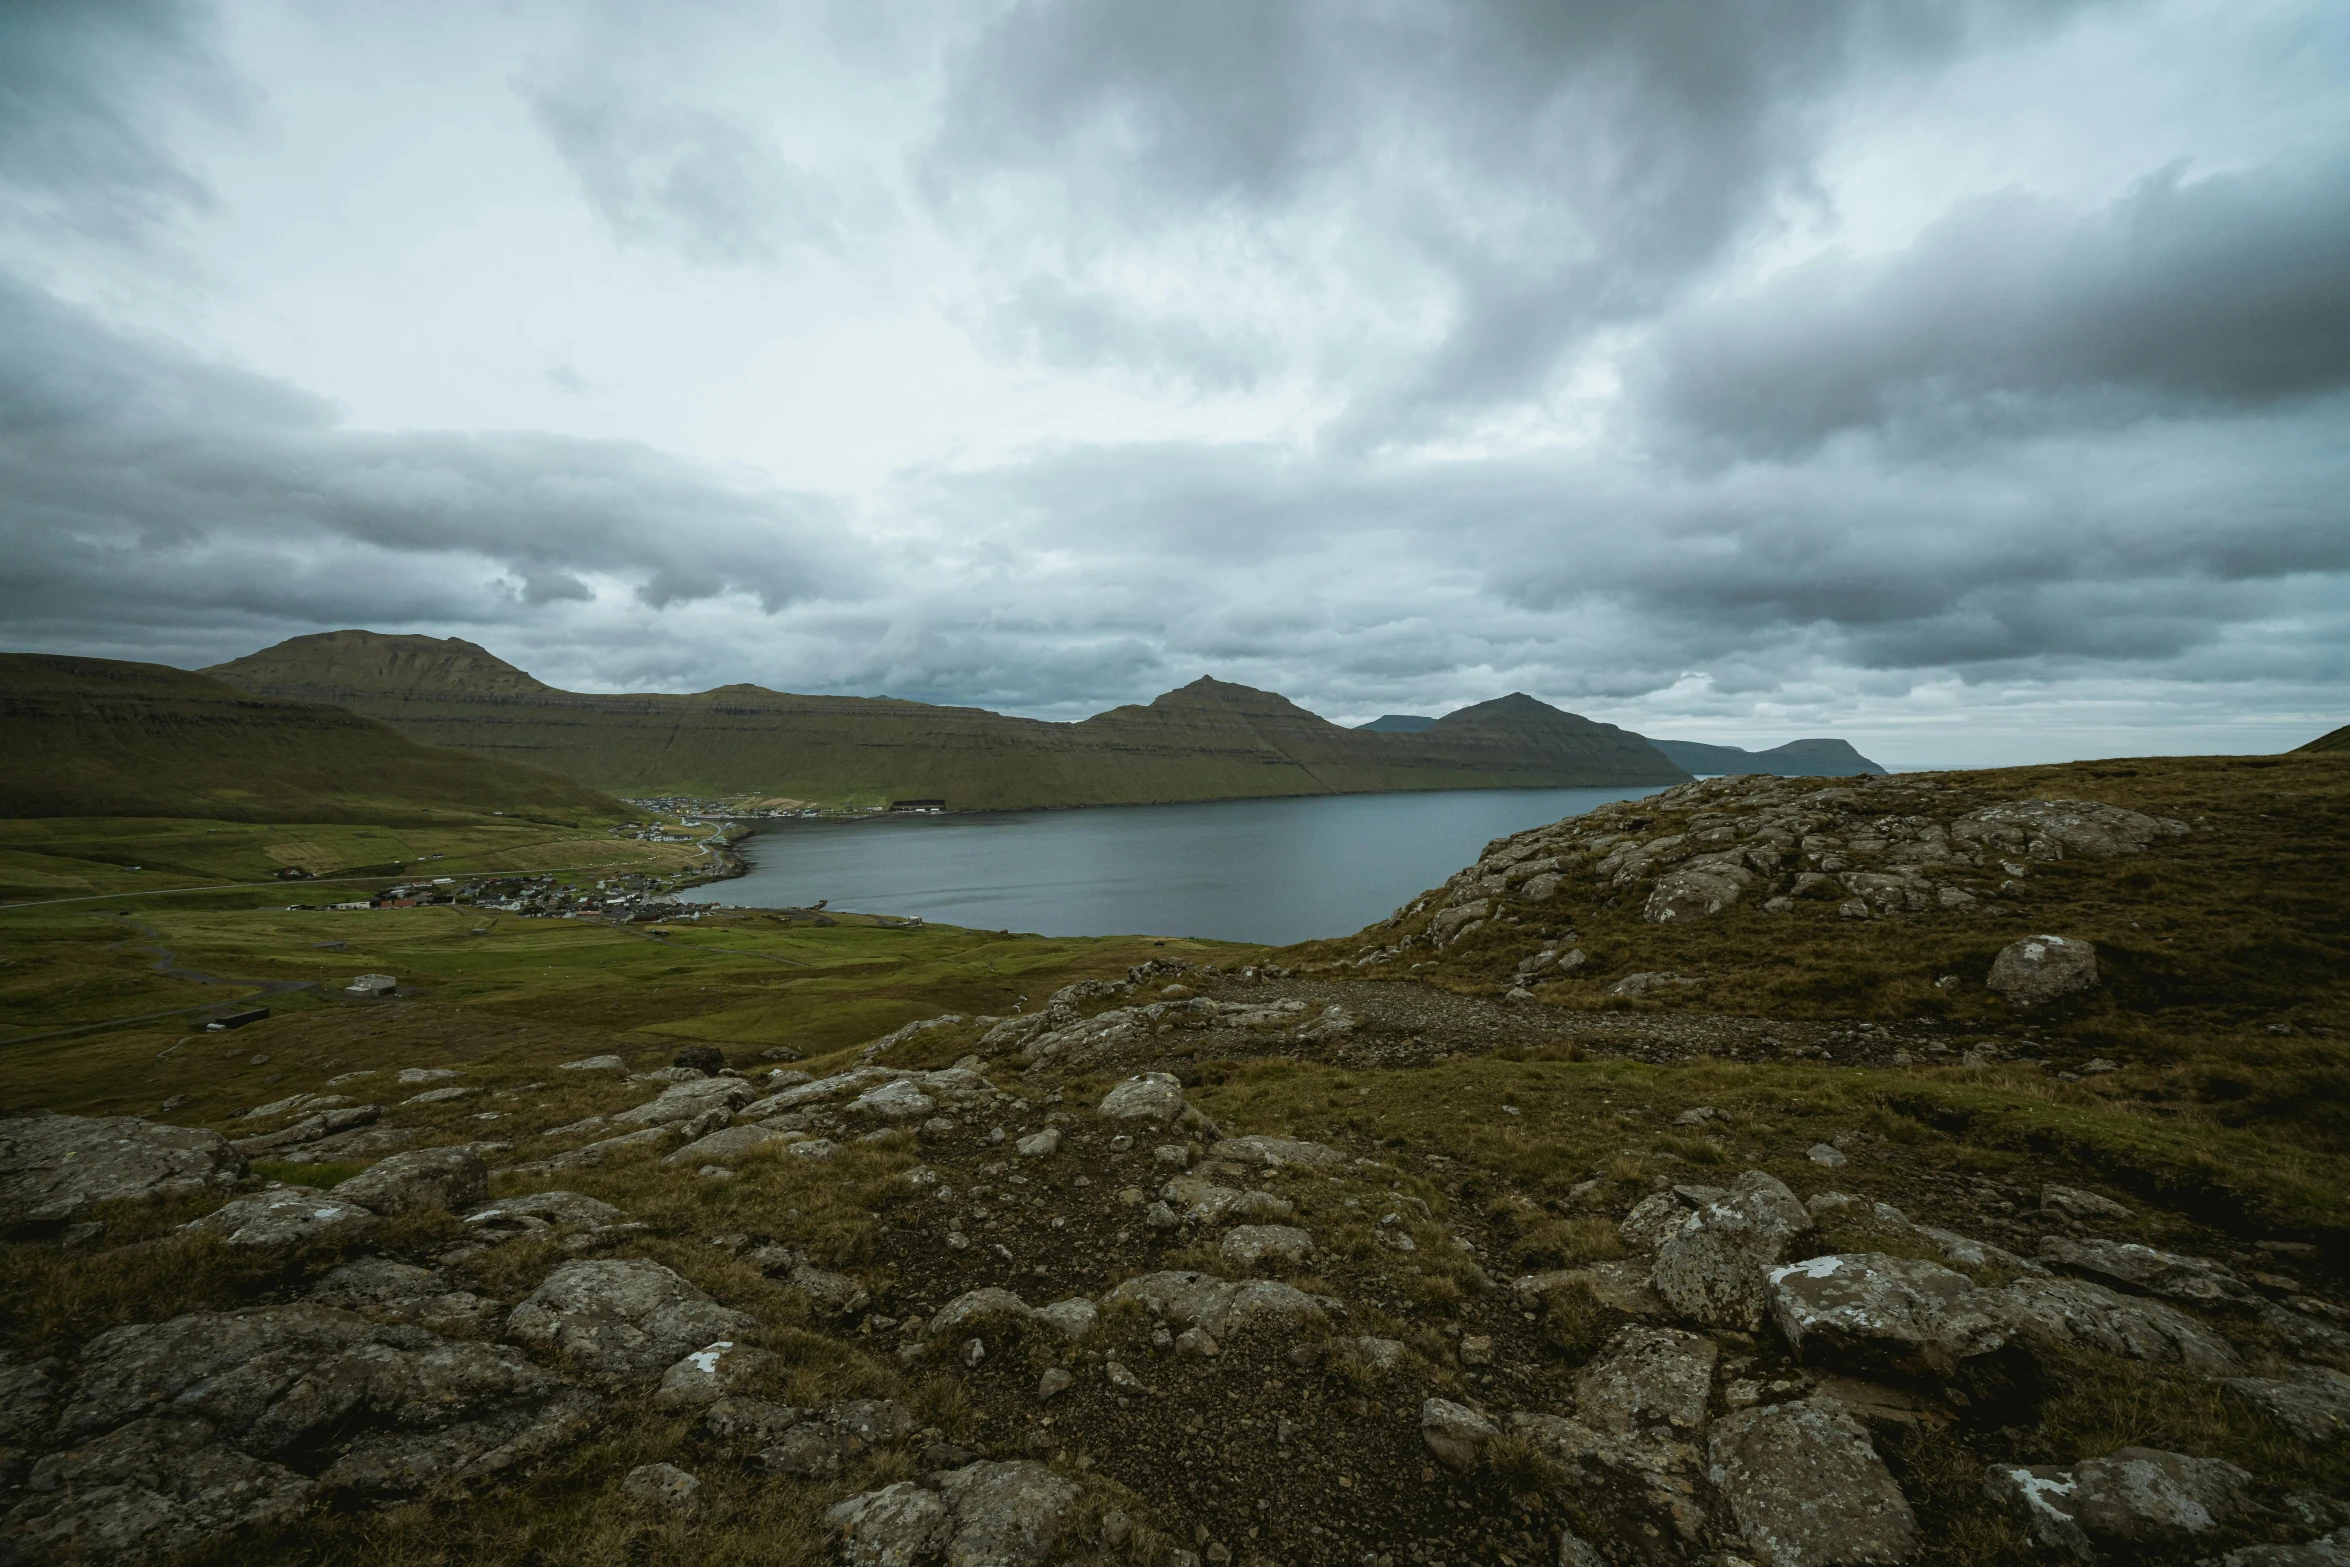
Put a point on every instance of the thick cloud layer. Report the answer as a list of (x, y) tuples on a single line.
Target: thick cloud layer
[(1968, 377)]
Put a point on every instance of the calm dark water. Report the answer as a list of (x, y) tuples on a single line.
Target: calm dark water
[(1242, 870)]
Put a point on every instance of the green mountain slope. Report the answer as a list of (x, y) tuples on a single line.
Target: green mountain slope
[(2336, 740), (1796, 759), (1208, 741), (94, 737)]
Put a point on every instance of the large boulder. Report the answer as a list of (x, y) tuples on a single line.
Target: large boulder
[(1637, 1491), (1713, 1269), (539, 1213), (2042, 968), (2061, 1312), (1146, 1096), (2137, 1500), (2313, 1402), (1251, 1247), (55, 1167), (2146, 1270), (900, 1525), (426, 1180), (1456, 1434), (614, 1317), (283, 1216), (685, 1101), (1875, 1314), (1007, 1514), (1806, 1488), (173, 1431), (1648, 1381)]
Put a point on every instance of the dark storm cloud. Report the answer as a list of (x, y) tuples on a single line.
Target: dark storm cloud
[(2016, 312), (81, 85), (141, 481), (1563, 167), (680, 176)]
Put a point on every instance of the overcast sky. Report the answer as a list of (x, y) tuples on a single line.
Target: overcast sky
[(1971, 380)]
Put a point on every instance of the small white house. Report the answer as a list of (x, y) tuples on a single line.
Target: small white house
[(371, 985)]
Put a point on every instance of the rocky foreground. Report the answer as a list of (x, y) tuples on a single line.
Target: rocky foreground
[(1716, 1393)]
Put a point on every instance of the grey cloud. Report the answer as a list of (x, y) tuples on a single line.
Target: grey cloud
[(680, 177), (1561, 167), (137, 480), (2017, 312), (1050, 321), (81, 87)]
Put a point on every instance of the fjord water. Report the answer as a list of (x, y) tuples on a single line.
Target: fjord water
[(1241, 870)]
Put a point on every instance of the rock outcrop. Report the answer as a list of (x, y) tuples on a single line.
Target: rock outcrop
[(55, 1168)]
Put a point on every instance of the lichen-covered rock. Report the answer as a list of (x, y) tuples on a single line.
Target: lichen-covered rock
[(1876, 1314), (55, 1167), (1219, 1306), (1648, 1381), (1696, 889), (726, 1144), (148, 1488), (1007, 1514), (2313, 1402), (900, 1100), (1275, 1152), (538, 1212), (979, 1310), (2145, 1270), (2073, 1311), (424, 1180), (1455, 1433), (1713, 1268), (1254, 1246), (1147, 1096), (711, 1373), (2042, 968), (283, 1216), (617, 1318), (684, 1101), (2137, 1499), (664, 1486), (899, 1525), (1806, 1488)]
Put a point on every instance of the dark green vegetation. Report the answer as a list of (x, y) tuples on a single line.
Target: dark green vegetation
[(83, 737), (1795, 759), (1207, 741), (2332, 740)]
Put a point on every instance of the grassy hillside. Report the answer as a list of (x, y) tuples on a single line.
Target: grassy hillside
[(94, 737), (2334, 740), (1208, 741)]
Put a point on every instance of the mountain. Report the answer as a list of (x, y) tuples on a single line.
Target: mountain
[(1211, 740), (1795, 759), (1395, 724), (94, 737), (2333, 740)]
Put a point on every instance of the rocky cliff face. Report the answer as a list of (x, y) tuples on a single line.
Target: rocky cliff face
[(1211, 740)]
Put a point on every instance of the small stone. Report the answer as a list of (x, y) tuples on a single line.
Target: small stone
[(1455, 1434), (1162, 1217), (1055, 1381), (1175, 1154), (1122, 1379), (1195, 1342), (1253, 1246), (663, 1485), (1116, 1530), (1825, 1154), (1476, 1350), (974, 1351), (2079, 1204), (2042, 968), (1037, 1144)]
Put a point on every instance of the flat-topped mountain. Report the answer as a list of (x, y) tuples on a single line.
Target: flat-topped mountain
[(1210, 740), (1821, 758), (98, 737)]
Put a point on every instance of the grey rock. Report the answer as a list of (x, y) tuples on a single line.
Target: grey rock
[(829, 1291), (594, 1064), (1639, 1492), (538, 1212), (1456, 1434), (1653, 1220), (1220, 1307), (440, 1096), (1256, 1246), (901, 1100), (820, 1445), (728, 1142), (2144, 1270), (2078, 1204), (976, 1311), (387, 1291), (283, 1216), (1037, 1144), (410, 1076), (1056, 1380), (1879, 1315), (2136, 1499), (713, 1372), (617, 1318), (1006, 1514), (1074, 1320), (1827, 1155), (55, 1167), (1696, 889), (734, 1421), (332, 1133), (899, 1525), (1648, 1381), (1806, 1488), (1713, 1268), (684, 1101), (425, 1180), (2330, 1550), (2042, 968), (664, 1486), (149, 1488), (1275, 1152), (1147, 1096), (2313, 1403), (598, 1152), (2074, 1311), (1381, 1354)]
